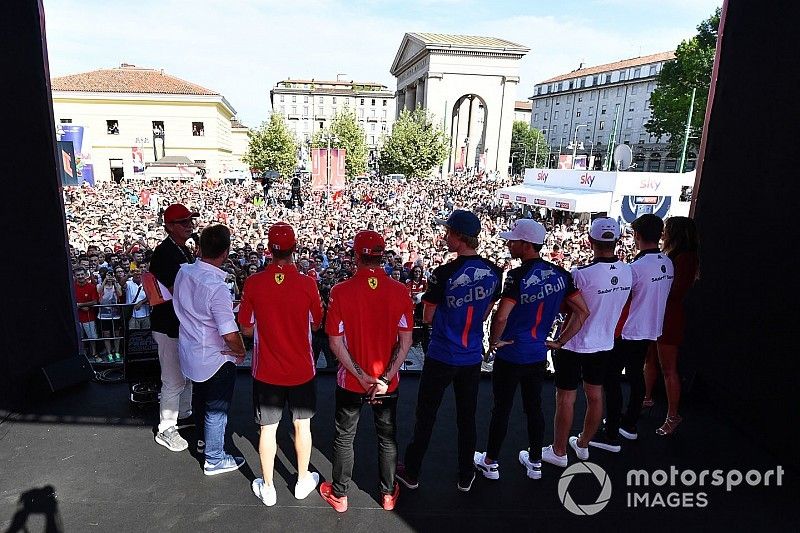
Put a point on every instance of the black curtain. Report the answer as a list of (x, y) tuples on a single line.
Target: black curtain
[(741, 334), (37, 314)]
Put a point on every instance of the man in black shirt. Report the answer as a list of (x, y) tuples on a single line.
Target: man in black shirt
[(176, 390)]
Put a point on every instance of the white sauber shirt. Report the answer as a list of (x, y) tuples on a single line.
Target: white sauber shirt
[(652, 279), (605, 284), (204, 307)]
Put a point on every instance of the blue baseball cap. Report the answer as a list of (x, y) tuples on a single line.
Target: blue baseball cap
[(463, 222)]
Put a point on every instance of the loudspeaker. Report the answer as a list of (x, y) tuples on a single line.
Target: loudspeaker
[(66, 373)]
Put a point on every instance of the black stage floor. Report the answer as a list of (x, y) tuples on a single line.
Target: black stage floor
[(97, 453)]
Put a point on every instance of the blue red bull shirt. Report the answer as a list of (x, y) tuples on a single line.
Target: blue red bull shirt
[(537, 289), (462, 290)]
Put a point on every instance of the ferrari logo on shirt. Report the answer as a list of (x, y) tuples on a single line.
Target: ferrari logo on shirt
[(373, 283), (279, 278)]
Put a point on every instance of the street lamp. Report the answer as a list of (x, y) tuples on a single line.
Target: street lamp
[(575, 142), (328, 137)]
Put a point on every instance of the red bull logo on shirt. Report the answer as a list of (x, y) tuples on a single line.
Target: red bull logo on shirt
[(545, 289), (475, 294)]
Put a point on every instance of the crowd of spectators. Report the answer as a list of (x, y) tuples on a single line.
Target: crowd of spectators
[(114, 227)]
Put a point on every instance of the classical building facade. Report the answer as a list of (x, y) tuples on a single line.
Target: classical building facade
[(309, 105), (130, 110), (469, 84), (590, 104)]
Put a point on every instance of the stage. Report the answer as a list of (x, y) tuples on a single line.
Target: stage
[(96, 451)]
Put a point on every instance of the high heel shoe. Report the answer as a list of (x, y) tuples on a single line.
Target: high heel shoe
[(670, 425)]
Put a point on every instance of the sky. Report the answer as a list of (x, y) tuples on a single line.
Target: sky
[(242, 48)]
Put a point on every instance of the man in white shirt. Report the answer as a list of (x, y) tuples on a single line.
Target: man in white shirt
[(604, 284), (209, 343), (639, 326)]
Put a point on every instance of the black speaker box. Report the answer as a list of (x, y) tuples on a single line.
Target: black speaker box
[(66, 373)]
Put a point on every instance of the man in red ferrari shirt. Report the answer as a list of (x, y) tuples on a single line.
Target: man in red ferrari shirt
[(370, 320), (87, 297), (282, 307)]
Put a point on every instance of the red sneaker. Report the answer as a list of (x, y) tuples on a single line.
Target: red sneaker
[(326, 491), (389, 500)]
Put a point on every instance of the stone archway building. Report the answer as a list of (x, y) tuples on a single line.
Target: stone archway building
[(470, 85)]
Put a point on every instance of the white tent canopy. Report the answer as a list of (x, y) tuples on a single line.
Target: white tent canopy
[(579, 201)]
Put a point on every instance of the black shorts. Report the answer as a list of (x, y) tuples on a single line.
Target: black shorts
[(572, 367), (268, 401)]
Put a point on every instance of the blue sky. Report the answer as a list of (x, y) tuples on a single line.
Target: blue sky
[(241, 48)]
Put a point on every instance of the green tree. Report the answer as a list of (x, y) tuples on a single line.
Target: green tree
[(272, 147), (348, 135), (691, 69), (415, 146), (524, 151)]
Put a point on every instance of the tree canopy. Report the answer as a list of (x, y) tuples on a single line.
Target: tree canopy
[(691, 69), (348, 135), (524, 141), (415, 146), (272, 147)]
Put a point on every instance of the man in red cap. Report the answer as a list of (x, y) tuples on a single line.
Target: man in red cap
[(287, 306), (370, 322), (176, 390)]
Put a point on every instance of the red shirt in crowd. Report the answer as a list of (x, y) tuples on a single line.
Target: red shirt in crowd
[(369, 309), (415, 288), (282, 304), (86, 293)]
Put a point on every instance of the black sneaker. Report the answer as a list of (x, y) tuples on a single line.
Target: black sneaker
[(604, 441), (405, 478), (465, 482)]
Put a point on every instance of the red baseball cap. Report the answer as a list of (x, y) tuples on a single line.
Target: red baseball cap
[(369, 243), (281, 236), (178, 212)]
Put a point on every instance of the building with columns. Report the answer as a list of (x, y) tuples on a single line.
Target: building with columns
[(469, 85)]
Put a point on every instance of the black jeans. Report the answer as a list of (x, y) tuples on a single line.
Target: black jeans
[(436, 376), (505, 377), (348, 411), (628, 355), (211, 400)]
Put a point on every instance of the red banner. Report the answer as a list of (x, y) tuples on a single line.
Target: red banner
[(337, 169), (319, 163)]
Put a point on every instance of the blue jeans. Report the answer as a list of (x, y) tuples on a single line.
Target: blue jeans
[(211, 401)]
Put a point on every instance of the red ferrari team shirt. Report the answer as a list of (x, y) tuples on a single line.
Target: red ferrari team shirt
[(369, 310), (282, 304)]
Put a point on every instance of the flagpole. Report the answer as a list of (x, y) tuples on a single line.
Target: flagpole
[(686, 134)]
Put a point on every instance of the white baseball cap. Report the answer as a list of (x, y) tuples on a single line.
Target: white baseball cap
[(604, 229), (526, 230)]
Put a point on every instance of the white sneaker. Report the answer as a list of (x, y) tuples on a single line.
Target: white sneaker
[(549, 456), (489, 471), (582, 453), (171, 439), (306, 485), (266, 493), (534, 468)]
